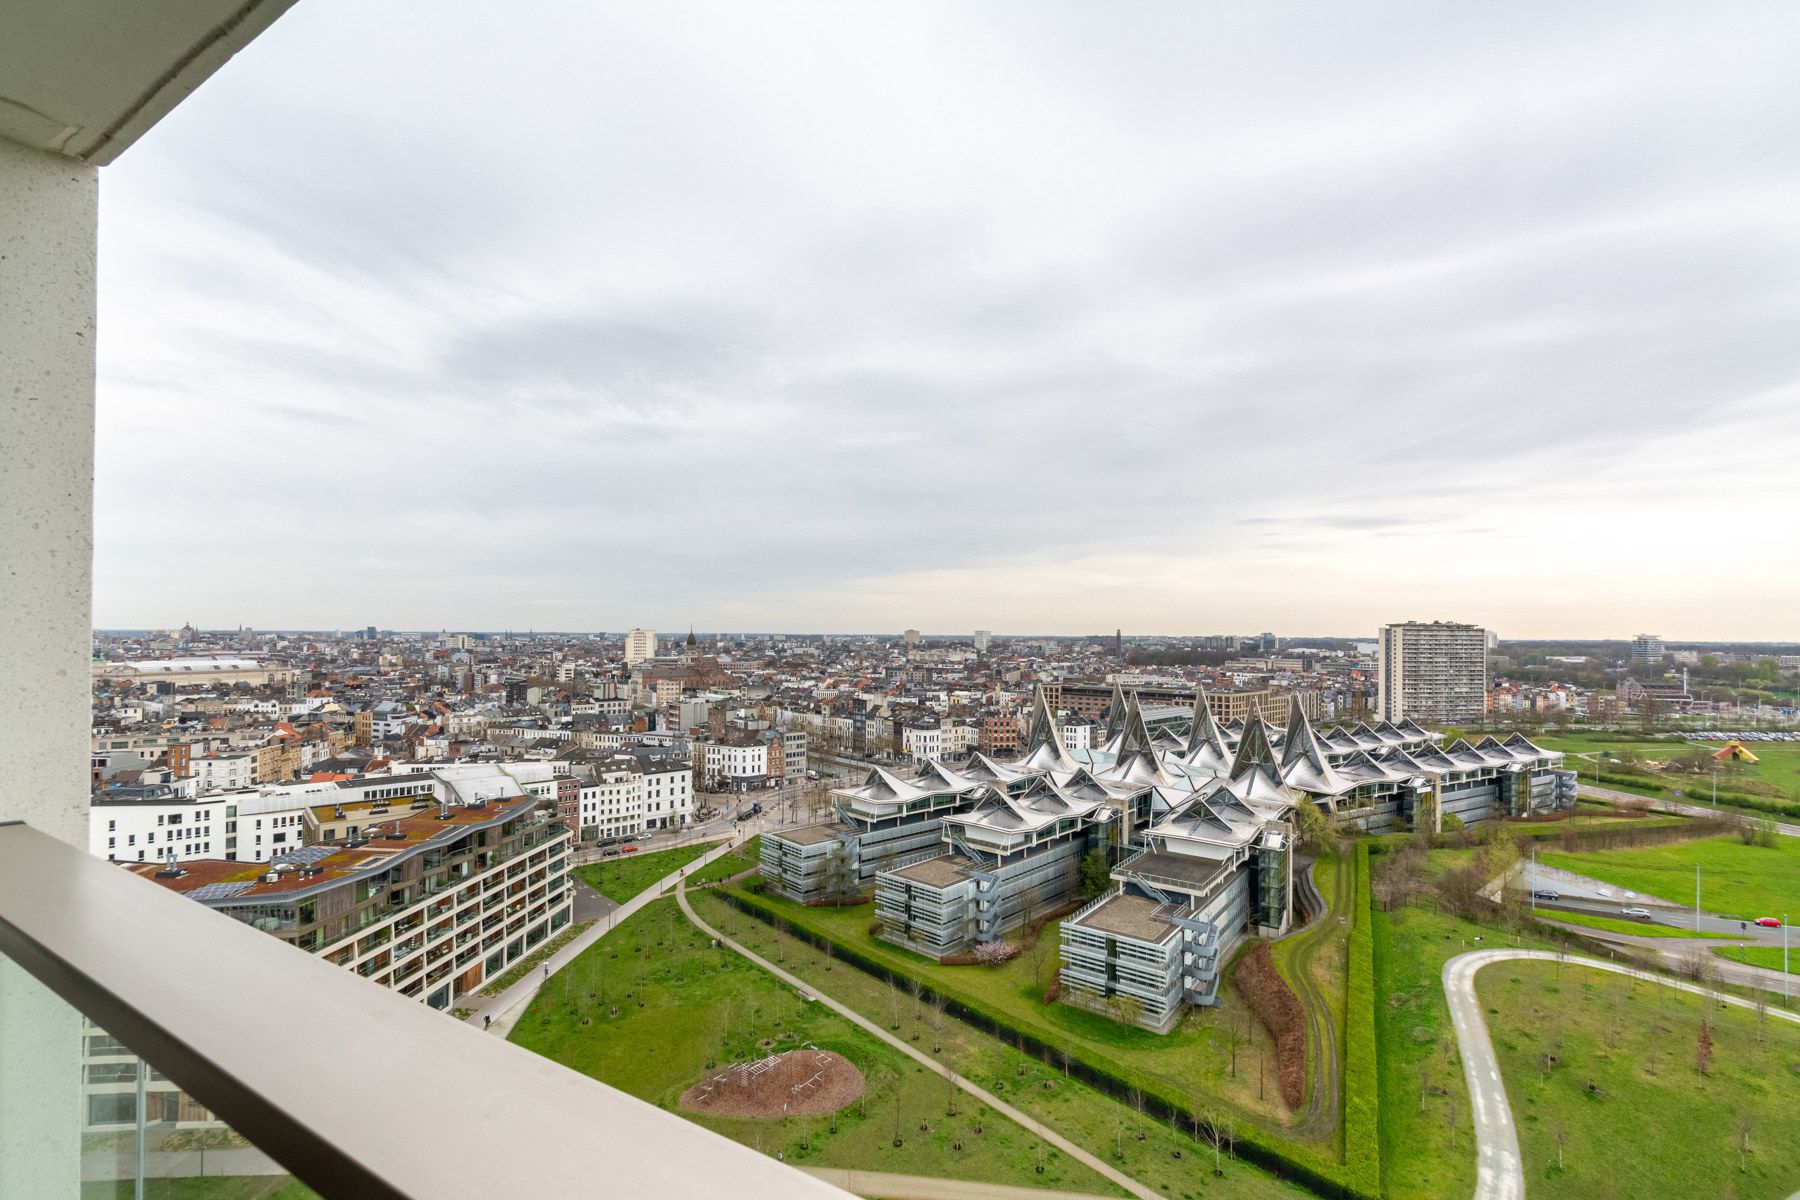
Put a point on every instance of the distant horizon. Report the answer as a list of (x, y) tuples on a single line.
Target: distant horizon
[(1286, 639)]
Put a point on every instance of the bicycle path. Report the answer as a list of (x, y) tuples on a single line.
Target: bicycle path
[(1499, 1171)]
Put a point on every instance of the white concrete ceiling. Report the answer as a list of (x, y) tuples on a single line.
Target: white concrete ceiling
[(85, 78)]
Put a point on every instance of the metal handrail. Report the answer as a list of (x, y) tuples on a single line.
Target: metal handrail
[(201, 998)]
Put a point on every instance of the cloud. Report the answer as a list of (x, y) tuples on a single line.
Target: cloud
[(1026, 316)]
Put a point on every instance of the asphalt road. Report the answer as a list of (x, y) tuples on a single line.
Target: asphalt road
[(1499, 1170), (1672, 918)]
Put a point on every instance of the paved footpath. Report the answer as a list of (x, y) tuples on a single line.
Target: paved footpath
[(1499, 1173), (1677, 806), (920, 1187), (509, 1005), (907, 1048)]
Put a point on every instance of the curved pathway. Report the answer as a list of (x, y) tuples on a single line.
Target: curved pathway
[(496, 1014), (1499, 1170), (907, 1048), (1321, 1115)]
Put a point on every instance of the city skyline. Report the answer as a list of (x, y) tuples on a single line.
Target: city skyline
[(1040, 318)]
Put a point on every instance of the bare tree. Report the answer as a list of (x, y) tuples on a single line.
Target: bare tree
[(1215, 1134), (1561, 1135), (1703, 1048), (1745, 1123), (1040, 953)]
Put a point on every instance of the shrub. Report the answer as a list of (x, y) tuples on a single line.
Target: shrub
[(1276, 1006), (992, 954)]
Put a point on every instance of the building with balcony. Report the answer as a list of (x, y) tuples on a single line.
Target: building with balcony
[(428, 898), (1435, 672)]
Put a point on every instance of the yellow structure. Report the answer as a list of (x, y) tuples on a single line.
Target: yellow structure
[(1734, 750)]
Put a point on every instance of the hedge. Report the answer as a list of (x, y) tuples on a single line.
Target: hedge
[(1284, 1160), (1362, 1104)]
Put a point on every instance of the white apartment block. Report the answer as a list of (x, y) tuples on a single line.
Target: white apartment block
[(254, 825), (921, 742), (1432, 673), (628, 796), (640, 645), (728, 765)]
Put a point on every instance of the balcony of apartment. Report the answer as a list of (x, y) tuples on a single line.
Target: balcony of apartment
[(90, 954)]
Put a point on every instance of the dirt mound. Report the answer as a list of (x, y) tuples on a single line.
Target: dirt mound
[(797, 1083)]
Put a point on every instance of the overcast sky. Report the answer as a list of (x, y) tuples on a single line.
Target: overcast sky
[(1179, 318)]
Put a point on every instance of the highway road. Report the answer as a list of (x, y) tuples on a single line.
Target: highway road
[(1673, 918), (1499, 1173)]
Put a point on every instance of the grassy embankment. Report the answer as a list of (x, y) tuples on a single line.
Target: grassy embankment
[(1427, 1134), (621, 878), (1080, 1113), (1648, 929), (1737, 881), (649, 1006), (732, 862), (1201, 1065), (1768, 787), (1602, 1075)]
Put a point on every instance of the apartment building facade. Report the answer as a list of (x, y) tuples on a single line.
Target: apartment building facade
[(427, 898), (1432, 672)]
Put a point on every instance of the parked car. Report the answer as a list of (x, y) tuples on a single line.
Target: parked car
[(1769, 922), (1642, 914), (1545, 894), (631, 849)]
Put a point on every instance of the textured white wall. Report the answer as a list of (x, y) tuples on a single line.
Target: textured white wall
[(47, 232), (47, 238)]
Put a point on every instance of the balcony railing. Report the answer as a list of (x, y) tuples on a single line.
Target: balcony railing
[(198, 996)]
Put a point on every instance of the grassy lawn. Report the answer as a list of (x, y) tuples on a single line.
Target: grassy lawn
[(1427, 1133), (1635, 1116), (1617, 925), (680, 1005), (212, 1187), (1762, 956), (1192, 1063), (621, 878), (1770, 785), (1737, 881), (730, 863), (1080, 1113)]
